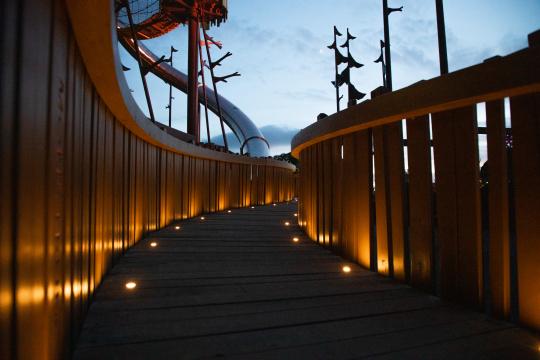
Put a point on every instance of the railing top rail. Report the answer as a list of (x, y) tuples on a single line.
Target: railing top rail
[(495, 78)]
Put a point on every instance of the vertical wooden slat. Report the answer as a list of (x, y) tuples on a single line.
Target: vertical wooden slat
[(396, 173), (384, 234), (458, 204), (499, 233), (525, 112), (420, 203), (31, 242), (355, 198), (328, 191), (9, 38), (59, 248), (337, 188)]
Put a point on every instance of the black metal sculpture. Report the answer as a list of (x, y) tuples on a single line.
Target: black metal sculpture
[(338, 58), (345, 76), (380, 59), (169, 107), (386, 12), (125, 4), (215, 79), (354, 94)]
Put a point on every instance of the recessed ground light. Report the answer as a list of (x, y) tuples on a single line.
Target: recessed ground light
[(346, 269), (287, 223), (202, 218), (273, 204), (253, 207), (229, 211), (131, 285), (153, 244), (177, 227), (295, 239), (295, 214)]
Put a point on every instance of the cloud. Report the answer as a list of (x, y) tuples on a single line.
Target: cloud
[(308, 94), (278, 135)]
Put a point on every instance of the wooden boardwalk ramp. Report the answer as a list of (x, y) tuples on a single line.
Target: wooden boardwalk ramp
[(237, 285)]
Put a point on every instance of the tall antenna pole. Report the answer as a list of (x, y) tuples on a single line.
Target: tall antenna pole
[(204, 92), (387, 56), (193, 125), (139, 60), (336, 68), (443, 56), (170, 90), (220, 115)]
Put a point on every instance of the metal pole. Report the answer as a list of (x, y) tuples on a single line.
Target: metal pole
[(193, 125), (387, 46), (336, 68), (204, 93), (215, 90), (443, 56), (170, 93), (349, 104), (139, 61)]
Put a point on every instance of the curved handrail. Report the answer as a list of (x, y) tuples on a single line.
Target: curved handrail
[(97, 41), (252, 138), (499, 77)]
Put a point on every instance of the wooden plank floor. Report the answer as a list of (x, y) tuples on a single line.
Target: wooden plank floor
[(236, 285)]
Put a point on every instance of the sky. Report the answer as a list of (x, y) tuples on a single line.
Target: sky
[(279, 47)]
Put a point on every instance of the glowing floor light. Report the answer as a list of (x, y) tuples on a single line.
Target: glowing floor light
[(287, 223), (177, 227), (131, 285), (346, 269), (295, 215), (202, 217), (153, 244), (295, 239), (229, 211)]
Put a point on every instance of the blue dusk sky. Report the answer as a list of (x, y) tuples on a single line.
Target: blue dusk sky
[(279, 47)]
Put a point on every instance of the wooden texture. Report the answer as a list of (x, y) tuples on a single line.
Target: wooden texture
[(355, 217), (382, 202), (396, 195), (78, 188), (525, 111), (432, 234), (420, 203), (455, 142), (235, 285), (499, 231)]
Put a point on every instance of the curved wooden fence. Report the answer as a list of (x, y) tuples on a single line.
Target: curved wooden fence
[(432, 222), (81, 180)]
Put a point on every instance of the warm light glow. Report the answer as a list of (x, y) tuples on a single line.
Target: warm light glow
[(295, 239), (273, 204), (153, 244), (131, 285), (346, 269), (253, 207), (177, 227), (287, 223), (295, 215), (202, 217), (229, 211)]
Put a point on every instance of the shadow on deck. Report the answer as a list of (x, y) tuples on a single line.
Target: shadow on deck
[(235, 284)]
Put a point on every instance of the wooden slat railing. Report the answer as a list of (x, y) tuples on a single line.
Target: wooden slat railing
[(84, 176), (435, 234)]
